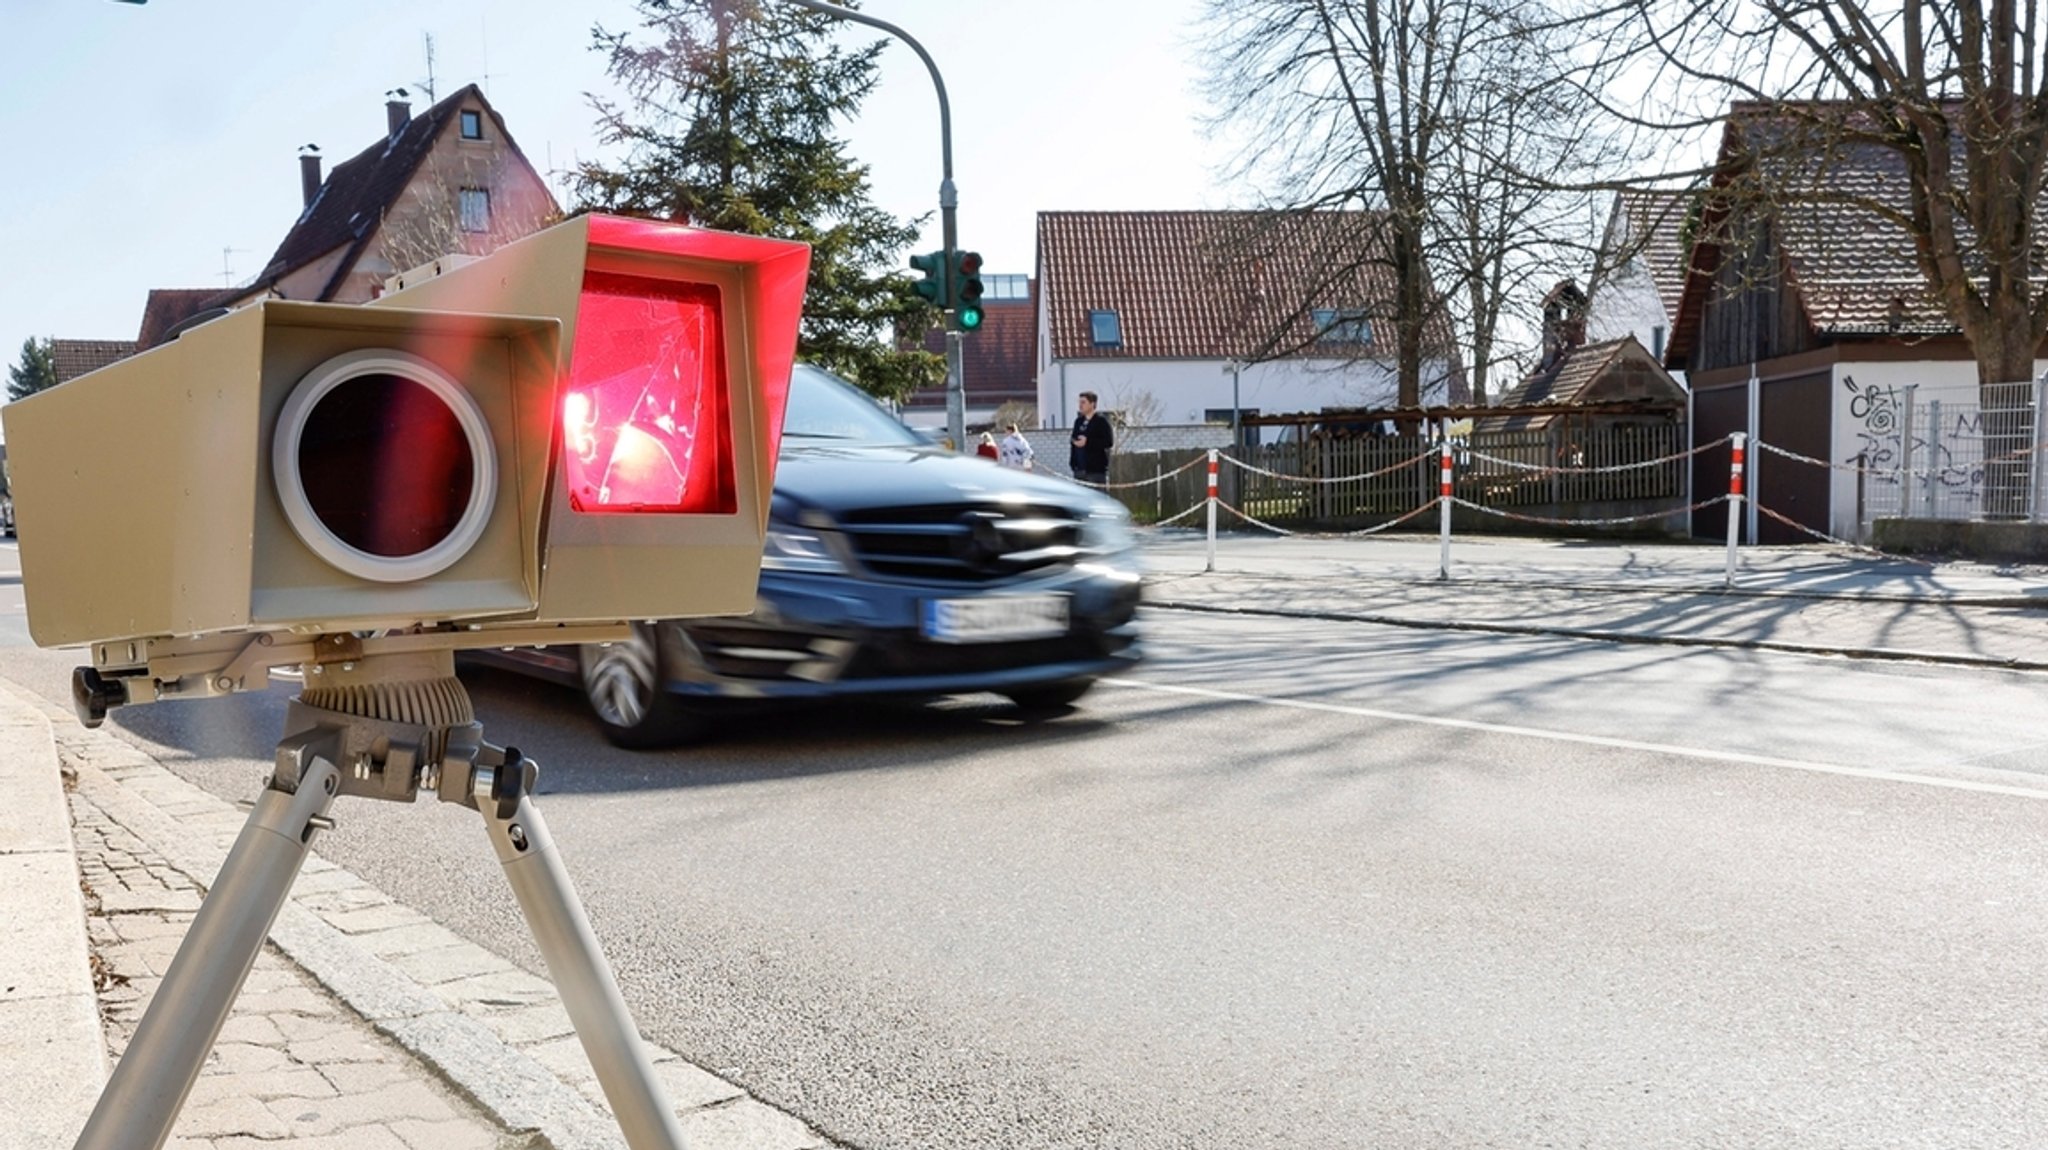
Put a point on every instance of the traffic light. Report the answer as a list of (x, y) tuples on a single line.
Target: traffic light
[(933, 284), (967, 290), (575, 430)]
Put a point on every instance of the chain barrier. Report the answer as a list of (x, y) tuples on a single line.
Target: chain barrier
[(1387, 470), (1520, 518), (2009, 457), (1177, 516), (1826, 538), (1373, 530), (1152, 482), (1547, 469)]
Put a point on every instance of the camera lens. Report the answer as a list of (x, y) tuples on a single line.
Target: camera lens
[(385, 465)]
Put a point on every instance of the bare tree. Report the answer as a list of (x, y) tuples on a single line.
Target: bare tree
[(1453, 121), (1949, 90), (1922, 125)]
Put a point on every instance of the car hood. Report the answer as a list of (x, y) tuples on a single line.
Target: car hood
[(847, 478)]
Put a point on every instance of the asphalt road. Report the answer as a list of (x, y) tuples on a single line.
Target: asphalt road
[(1302, 884)]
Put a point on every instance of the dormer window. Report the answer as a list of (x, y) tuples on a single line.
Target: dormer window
[(1105, 329), (472, 124), (1341, 325)]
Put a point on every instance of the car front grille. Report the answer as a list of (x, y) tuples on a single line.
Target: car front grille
[(963, 542)]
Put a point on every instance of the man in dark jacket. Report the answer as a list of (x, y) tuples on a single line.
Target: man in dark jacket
[(1089, 456)]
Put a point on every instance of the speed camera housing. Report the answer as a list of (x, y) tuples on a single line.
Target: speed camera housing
[(575, 431), (289, 465)]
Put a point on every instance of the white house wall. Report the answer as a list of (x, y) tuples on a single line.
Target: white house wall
[(1869, 419), (1186, 389)]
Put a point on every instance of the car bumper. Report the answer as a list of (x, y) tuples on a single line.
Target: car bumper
[(820, 636)]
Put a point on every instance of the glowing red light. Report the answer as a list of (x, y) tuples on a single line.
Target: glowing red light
[(644, 420)]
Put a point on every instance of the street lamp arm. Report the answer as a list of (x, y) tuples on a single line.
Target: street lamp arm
[(945, 109)]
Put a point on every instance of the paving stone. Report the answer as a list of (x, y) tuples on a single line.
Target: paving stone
[(524, 1025), (289, 1081), (383, 916), (252, 1030), (356, 1138), (747, 1125), (395, 1102), (230, 1116), (421, 1135), (451, 969), (358, 1077)]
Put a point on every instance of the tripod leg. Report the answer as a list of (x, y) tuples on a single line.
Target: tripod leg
[(589, 993), (149, 1084)]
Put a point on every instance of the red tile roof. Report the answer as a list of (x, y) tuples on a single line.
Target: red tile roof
[(1214, 285), (998, 362), (75, 357)]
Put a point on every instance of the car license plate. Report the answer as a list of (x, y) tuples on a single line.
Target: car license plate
[(995, 619)]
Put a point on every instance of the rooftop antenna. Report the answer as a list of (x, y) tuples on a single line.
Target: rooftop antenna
[(227, 271), (427, 85)]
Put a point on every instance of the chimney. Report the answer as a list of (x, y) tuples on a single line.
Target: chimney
[(397, 111), (309, 172), (1564, 321)]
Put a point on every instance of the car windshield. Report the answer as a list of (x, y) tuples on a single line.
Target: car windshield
[(825, 408)]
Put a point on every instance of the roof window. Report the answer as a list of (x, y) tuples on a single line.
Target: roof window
[(1105, 329), (1341, 325)]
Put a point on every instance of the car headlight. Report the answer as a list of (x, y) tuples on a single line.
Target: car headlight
[(789, 548), (1108, 532)]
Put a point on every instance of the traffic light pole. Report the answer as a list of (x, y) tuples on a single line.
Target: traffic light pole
[(956, 396)]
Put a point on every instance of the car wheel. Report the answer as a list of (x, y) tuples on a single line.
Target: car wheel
[(623, 682), (1050, 696)]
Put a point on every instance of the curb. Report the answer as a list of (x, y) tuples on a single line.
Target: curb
[(51, 1046), (490, 1030), (1886, 654)]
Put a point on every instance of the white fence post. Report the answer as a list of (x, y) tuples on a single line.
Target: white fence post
[(1933, 456), (1906, 453), (1212, 511), (1444, 501), (2039, 450), (1735, 444)]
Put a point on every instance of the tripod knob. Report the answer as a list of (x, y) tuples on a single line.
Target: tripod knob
[(93, 695)]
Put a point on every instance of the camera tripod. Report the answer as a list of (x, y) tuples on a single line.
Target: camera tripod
[(386, 726)]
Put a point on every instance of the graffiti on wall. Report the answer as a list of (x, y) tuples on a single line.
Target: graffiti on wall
[(1878, 415)]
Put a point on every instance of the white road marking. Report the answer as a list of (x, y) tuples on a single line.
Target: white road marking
[(2040, 792)]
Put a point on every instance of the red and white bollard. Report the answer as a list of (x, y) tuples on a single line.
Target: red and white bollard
[(1736, 440), (1212, 511), (1444, 518)]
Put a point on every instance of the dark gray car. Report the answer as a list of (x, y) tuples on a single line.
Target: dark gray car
[(892, 568)]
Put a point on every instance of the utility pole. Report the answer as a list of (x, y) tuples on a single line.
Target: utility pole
[(956, 395)]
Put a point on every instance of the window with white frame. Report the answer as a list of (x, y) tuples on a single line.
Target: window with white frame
[(474, 209)]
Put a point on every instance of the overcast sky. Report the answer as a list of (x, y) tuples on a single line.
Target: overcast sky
[(156, 145)]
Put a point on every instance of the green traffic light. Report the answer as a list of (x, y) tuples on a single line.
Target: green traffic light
[(933, 286), (968, 317)]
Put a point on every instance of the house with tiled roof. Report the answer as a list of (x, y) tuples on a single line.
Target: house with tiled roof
[(998, 360), (71, 358), (447, 181), (167, 308), (1573, 372), (1192, 315), (1804, 320), (1639, 270)]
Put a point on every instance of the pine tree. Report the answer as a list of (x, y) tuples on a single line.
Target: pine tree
[(36, 372), (728, 123)]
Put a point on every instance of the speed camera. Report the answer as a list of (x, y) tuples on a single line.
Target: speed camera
[(576, 431)]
